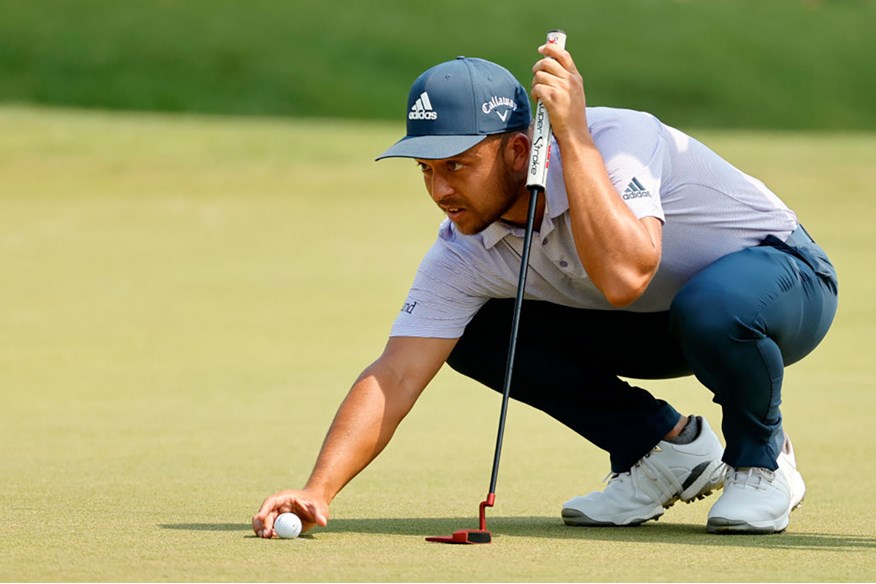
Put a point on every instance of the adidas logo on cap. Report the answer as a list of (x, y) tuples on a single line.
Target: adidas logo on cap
[(422, 109)]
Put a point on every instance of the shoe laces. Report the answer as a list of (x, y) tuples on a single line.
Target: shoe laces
[(755, 477)]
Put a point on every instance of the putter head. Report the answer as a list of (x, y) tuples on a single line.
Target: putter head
[(472, 535), (465, 536)]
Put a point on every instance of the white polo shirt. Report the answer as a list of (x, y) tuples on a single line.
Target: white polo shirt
[(708, 208)]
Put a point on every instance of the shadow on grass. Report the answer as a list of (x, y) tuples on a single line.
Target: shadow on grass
[(244, 527), (206, 526), (553, 528)]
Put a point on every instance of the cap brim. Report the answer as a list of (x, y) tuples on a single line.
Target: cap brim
[(431, 147)]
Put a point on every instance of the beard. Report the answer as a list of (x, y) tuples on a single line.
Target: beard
[(508, 192)]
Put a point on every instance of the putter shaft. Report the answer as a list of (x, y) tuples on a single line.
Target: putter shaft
[(512, 344)]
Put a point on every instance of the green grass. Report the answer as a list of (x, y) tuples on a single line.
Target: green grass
[(708, 63), (186, 300)]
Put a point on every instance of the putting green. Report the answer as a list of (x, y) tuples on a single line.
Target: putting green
[(186, 300)]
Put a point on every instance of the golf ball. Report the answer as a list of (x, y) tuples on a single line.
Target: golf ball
[(287, 526)]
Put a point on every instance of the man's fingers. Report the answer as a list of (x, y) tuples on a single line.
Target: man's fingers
[(311, 511), (557, 84), (549, 68), (263, 521), (267, 506), (549, 75), (561, 56), (556, 71), (263, 526), (314, 513)]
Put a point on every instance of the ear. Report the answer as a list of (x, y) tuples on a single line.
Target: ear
[(517, 151)]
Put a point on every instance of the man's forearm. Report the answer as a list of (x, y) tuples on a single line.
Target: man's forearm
[(376, 404), (363, 426)]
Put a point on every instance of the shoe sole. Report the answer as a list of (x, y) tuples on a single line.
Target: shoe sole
[(721, 525), (576, 518)]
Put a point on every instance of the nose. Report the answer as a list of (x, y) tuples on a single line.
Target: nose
[(439, 187)]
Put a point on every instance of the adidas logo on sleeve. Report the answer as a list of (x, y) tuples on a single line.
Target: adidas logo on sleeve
[(422, 109), (635, 190)]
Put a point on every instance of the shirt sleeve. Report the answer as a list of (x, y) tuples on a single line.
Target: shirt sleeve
[(443, 298), (635, 154)]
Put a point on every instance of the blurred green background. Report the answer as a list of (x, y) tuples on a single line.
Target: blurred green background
[(774, 64)]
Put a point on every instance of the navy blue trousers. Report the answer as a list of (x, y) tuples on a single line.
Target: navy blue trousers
[(735, 326)]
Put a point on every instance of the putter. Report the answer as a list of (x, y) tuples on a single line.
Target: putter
[(539, 157)]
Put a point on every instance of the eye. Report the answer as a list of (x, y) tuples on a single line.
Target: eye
[(423, 167), (453, 166)]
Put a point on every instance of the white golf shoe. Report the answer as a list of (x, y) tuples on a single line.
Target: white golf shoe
[(663, 476), (757, 500)]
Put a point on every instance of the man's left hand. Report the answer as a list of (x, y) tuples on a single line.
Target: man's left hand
[(559, 86)]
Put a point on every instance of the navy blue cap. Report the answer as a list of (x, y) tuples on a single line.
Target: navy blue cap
[(456, 105)]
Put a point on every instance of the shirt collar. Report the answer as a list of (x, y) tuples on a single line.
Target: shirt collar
[(556, 203)]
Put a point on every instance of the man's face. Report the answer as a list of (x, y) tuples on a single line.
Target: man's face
[(477, 187)]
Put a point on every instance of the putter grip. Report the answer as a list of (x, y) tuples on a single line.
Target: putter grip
[(540, 152)]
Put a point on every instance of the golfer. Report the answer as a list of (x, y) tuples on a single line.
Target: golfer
[(654, 258)]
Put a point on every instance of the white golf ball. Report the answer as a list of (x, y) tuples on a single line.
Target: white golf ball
[(287, 526)]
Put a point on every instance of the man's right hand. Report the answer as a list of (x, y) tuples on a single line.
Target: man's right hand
[(311, 508)]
